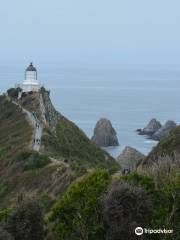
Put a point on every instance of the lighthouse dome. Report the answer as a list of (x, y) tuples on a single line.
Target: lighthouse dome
[(31, 68)]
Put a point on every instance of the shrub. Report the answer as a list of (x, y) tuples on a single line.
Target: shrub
[(4, 235), (4, 214), (26, 222), (32, 160), (125, 207), (3, 189), (160, 202), (78, 214), (1, 152), (46, 202), (140, 180), (36, 161)]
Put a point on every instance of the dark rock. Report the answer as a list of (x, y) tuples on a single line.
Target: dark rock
[(164, 130), (151, 128), (138, 130), (129, 158), (105, 134), (13, 92)]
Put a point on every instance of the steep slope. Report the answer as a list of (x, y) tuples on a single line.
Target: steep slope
[(65, 152), (61, 138), (168, 146), (15, 131), (71, 143)]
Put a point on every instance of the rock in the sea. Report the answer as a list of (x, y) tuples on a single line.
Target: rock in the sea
[(104, 134), (130, 157), (151, 128), (164, 130)]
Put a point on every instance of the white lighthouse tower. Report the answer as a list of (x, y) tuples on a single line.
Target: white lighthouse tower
[(30, 83)]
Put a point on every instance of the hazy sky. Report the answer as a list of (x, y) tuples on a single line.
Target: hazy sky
[(88, 32)]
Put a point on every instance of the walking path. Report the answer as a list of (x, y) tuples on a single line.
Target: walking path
[(36, 125)]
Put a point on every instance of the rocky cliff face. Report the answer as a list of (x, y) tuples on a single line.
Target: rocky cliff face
[(40, 104), (104, 134), (169, 146), (130, 157), (164, 131), (50, 114)]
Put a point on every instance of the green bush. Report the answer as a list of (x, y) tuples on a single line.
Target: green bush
[(141, 180), (78, 215), (4, 214), (3, 189), (26, 222), (36, 161), (45, 202), (126, 206), (33, 160), (4, 235), (166, 198), (1, 152)]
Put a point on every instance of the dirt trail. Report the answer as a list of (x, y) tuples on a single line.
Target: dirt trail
[(35, 124)]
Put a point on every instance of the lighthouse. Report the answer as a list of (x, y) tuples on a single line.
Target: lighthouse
[(30, 82)]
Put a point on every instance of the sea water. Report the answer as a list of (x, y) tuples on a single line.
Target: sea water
[(129, 96)]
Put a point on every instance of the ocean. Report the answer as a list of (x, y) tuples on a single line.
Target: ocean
[(128, 95)]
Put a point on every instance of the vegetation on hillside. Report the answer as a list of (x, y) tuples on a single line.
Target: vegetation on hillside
[(15, 131), (32, 160), (98, 206), (168, 146), (71, 143), (124, 204), (69, 190), (78, 215), (25, 222), (66, 153)]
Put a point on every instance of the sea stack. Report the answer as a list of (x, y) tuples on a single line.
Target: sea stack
[(130, 157), (151, 128), (154, 130), (104, 134)]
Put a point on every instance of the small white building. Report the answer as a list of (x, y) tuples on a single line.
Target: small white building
[(31, 83)]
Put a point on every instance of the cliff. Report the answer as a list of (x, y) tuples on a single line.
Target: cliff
[(168, 146)]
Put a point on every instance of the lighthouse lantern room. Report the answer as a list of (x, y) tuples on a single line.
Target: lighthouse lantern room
[(30, 83)]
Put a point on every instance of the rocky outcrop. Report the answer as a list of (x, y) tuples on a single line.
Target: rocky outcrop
[(130, 157), (164, 131), (151, 128), (38, 103), (49, 112), (104, 134), (154, 130)]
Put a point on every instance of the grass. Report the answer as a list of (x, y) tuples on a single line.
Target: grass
[(167, 146), (16, 133), (32, 160), (71, 143)]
